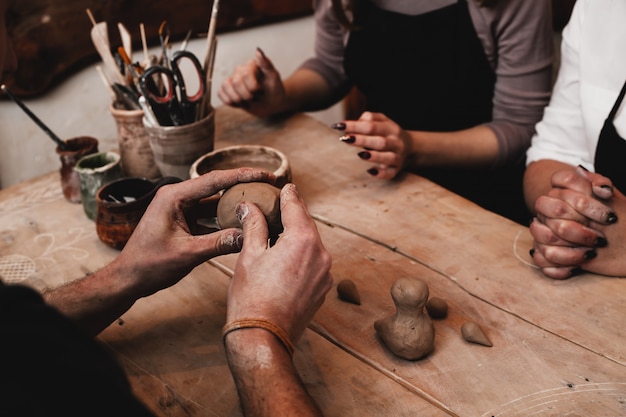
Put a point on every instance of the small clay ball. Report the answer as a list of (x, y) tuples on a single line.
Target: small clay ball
[(437, 308), (265, 196), (347, 291)]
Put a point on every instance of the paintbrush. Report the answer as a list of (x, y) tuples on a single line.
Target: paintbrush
[(61, 144)]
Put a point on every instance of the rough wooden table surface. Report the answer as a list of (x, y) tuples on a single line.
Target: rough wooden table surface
[(559, 346)]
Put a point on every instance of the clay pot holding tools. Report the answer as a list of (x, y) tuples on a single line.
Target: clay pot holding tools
[(175, 148), (134, 143), (74, 150), (120, 206), (254, 156), (179, 127)]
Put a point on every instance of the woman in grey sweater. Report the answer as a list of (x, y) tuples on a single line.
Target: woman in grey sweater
[(453, 88)]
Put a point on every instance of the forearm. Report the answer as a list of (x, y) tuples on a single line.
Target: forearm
[(474, 147), (306, 90), (537, 179), (267, 381), (95, 301)]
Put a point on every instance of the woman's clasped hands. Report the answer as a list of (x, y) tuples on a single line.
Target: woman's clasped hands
[(577, 226)]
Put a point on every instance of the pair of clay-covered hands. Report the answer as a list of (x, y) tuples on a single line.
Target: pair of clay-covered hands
[(257, 87), (285, 283), (579, 226)]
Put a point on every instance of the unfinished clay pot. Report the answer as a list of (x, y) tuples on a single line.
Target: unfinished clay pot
[(347, 291), (409, 333), (265, 196), (238, 156)]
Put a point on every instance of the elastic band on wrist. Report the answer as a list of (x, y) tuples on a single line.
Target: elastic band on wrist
[(259, 324)]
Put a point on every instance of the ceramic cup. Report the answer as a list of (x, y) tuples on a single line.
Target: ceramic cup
[(76, 148), (175, 148), (254, 156), (120, 206), (96, 170), (134, 143)]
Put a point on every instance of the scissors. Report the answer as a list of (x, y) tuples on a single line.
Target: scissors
[(167, 93)]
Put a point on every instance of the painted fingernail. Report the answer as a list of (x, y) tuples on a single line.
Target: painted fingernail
[(531, 252), (590, 254), (372, 171), (576, 271), (364, 155), (607, 187), (339, 126), (583, 168), (612, 218), (239, 240), (601, 242), (347, 139)]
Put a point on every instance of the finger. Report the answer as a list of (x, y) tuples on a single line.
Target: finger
[(221, 242), (383, 172), (228, 94), (555, 208), (553, 271), (248, 84), (565, 256), (264, 63), (576, 233), (602, 186), (585, 205), (391, 159), (293, 211), (255, 229), (210, 183), (544, 235)]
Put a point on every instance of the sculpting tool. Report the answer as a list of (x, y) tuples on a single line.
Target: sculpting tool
[(61, 144)]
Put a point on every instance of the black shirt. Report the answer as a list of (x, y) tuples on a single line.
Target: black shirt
[(49, 367)]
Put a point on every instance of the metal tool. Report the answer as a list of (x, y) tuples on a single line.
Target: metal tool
[(173, 105)]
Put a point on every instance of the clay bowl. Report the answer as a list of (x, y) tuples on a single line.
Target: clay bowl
[(254, 156)]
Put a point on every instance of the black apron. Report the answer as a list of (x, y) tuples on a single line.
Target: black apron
[(611, 149), (429, 72)]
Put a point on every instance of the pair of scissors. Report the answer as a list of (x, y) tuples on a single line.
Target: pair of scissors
[(167, 92)]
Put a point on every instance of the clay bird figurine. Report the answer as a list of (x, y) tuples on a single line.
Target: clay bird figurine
[(409, 333)]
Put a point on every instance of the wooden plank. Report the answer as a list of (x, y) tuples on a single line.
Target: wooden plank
[(174, 337), (526, 363), (170, 343), (483, 253)]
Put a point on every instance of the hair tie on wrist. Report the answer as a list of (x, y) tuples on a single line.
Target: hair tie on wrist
[(259, 324)]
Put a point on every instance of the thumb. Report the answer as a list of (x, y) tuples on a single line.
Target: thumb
[(264, 63)]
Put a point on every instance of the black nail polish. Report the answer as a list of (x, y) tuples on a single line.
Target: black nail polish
[(590, 254), (364, 155), (576, 271), (612, 218), (583, 168), (601, 242), (347, 139), (531, 252), (372, 171), (339, 126)]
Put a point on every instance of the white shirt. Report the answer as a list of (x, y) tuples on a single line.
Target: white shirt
[(592, 72)]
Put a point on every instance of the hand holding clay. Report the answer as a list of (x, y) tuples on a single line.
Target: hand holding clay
[(409, 333), (263, 195), (162, 248), (268, 282)]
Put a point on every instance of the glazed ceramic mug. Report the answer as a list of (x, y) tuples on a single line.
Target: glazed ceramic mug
[(120, 206), (96, 170)]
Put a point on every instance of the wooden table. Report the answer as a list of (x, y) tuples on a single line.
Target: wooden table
[(559, 346)]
